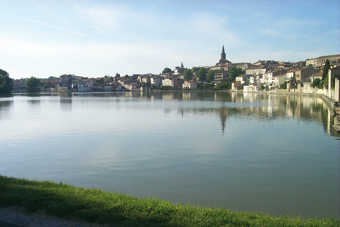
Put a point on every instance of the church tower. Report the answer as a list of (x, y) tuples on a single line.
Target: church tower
[(223, 59), (223, 56)]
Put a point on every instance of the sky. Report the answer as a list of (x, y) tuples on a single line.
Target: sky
[(94, 38)]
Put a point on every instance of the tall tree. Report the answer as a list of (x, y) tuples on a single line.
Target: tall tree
[(33, 84), (166, 70), (187, 75), (325, 69), (201, 74), (6, 83)]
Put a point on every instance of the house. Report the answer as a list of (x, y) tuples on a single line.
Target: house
[(250, 88), (235, 85), (144, 79), (290, 74), (280, 79), (132, 86), (172, 82), (220, 75), (243, 78), (189, 85), (302, 74), (156, 80)]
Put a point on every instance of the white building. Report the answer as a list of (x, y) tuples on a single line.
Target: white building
[(189, 85)]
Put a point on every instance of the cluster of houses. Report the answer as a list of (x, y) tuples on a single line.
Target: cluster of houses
[(266, 73)]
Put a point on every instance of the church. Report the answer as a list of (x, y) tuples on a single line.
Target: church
[(223, 61)]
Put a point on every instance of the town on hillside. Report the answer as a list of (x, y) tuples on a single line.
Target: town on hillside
[(262, 75)]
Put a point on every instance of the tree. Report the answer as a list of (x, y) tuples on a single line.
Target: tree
[(187, 75), (166, 70), (284, 85), (6, 83), (32, 84), (325, 70), (234, 72), (316, 83), (211, 75), (201, 74), (195, 69)]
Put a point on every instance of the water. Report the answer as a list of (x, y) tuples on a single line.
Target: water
[(245, 152)]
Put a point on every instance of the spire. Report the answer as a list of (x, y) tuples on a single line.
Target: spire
[(223, 55), (182, 65)]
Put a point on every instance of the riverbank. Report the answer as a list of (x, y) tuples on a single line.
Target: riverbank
[(115, 209)]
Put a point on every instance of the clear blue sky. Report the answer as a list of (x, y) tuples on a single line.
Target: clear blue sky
[(45, 38)]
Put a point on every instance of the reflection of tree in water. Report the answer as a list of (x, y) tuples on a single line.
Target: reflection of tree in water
[(33, 102), (223, 117), (4, 107)]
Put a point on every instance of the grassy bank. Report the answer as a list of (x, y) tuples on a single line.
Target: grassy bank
[(94, 205)]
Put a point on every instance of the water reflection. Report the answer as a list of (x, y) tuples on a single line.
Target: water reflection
[(5, 108), (232, 150), (66, 102)]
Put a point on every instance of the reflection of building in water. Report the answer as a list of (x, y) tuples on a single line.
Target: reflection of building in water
[(190, 96), (66, 101)]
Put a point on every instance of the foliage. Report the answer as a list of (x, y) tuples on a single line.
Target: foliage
[(211, 75), (316, 83), (326, 69), (195, 69), (166, 70), (223, 85), (234, 72), (262, 87), (284, 85), (94, 205), (165, 87), (126, 76), (33, 84), (208, 86), (187, 75), (325, 82), (201, 74), (333, 79), (6, 83)]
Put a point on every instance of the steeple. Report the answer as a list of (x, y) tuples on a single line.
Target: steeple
[(223, 55), (182, 65)]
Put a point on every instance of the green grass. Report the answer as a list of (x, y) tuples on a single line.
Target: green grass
[(117, 209)]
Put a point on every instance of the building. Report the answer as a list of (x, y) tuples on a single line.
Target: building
[(172, 82), (179, 70), (279, 79), (223, 60), (189, 85), (256, 70), (244, 78), (156, 80), (317, 62), (220, 75), (302, 74)]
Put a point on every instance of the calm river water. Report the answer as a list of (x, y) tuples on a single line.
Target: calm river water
[(247, 152)]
